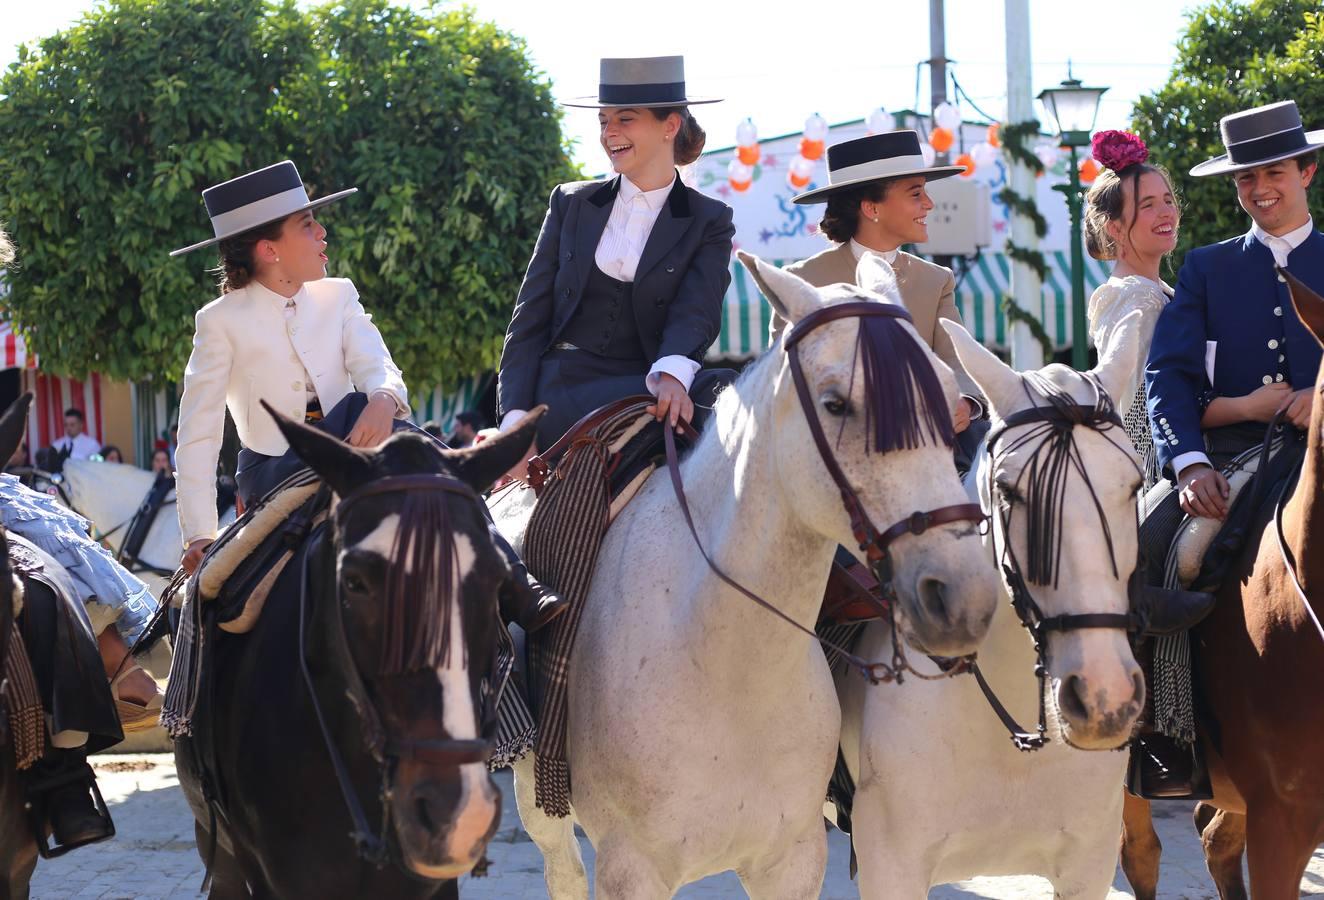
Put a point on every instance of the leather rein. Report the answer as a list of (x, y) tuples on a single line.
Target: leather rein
[(1059, 419), (873, 542), (386, 749)]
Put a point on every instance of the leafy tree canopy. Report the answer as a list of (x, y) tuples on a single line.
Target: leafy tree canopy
[(109, 132), (1234, 55)]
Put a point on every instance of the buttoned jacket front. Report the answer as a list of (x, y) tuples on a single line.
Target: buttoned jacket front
[(246, 349), (677, 292), (1229, 330)]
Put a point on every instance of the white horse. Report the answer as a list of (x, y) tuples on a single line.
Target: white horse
[(109, 494), (702, 729), (943, 795)]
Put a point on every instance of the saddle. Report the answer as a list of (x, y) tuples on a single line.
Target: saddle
[(239, 569)]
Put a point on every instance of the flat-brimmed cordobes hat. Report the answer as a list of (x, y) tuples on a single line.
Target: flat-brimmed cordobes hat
[(249, 201), (641, 82), (1260, 136), (878, 157)]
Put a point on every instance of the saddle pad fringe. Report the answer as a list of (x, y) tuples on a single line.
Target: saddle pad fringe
[(561, 550), (27, 724)]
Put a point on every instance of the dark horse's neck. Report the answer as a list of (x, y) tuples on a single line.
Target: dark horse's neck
[(1303, 516)]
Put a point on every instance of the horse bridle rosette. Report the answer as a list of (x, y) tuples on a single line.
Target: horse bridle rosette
[(1046, 472), (386, 749)]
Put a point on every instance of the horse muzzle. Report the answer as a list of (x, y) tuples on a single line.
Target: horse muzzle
[(443, 826), (1100, 699), (950, 606)]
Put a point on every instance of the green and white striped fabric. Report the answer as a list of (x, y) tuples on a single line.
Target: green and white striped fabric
[(443, 406), (746, 314)]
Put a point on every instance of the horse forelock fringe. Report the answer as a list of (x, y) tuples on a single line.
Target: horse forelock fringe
[(420, 584), (896, 367)]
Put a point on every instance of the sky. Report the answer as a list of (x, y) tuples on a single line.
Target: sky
[(779, 63)]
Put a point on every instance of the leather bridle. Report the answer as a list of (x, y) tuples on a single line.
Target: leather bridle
[(875, 543), (388, 749), (1057, 423)]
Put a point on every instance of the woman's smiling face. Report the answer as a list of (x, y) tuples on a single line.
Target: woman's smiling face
[(300, 251), (635, 139)]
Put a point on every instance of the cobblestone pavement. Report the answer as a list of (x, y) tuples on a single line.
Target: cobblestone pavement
[(153, 854)]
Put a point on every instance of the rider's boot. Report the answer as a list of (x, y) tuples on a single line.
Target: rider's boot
[(65, 804), (527, 603), (1163, 768)]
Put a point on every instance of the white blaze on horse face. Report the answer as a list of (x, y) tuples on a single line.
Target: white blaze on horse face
[(477, 803)]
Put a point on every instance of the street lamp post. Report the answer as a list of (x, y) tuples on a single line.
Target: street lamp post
[(1074, 109)]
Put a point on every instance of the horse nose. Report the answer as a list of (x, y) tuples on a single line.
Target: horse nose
[(933, 599), (1101, 709)]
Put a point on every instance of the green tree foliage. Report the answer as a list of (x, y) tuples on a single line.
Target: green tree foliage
[(1234, 55), (109, 132)]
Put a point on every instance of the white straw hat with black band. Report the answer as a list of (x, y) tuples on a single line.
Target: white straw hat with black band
[(641, 83), (249, 201), (878, 157), (1260, 136)]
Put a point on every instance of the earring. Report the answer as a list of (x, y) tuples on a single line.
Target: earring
[(875, 220)]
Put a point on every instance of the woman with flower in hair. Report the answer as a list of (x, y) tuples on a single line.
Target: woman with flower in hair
[(1131, 218)]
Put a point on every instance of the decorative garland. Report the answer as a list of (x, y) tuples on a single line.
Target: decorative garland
[(1015, 141)]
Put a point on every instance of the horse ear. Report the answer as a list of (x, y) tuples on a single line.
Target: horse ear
[(1119, 360), (873, 273), (1309, 305), (13, 425), (483, 463), (340, 465), (999, 381), (792, 296)]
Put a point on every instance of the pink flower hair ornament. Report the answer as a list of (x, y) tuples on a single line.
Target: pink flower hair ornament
[(1118, 150)]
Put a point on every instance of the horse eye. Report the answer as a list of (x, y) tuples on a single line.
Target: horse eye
[(835, 404), (354, 583)]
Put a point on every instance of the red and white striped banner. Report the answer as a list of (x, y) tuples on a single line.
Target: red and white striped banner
[(13, 352), (51, 396)]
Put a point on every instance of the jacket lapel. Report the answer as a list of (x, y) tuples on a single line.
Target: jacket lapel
[(593, 216), (672, 222)]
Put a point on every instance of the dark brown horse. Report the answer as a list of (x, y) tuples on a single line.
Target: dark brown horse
[(1259, 663), (343, 739)]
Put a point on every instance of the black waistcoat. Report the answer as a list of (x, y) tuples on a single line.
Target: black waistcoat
[(604, 323)]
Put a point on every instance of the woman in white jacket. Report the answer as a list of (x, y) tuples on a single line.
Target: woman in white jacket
[(284, 333)]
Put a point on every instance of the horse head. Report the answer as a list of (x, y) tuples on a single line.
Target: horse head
[(1061, 479), (50, 460), (404, 621), (882, 405)]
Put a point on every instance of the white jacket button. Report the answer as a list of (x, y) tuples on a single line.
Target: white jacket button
[(297, 386)]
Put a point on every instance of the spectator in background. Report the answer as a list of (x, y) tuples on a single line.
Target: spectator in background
[(433, 427), (111, 453), (76, 440), (161, 465), (467, 426)]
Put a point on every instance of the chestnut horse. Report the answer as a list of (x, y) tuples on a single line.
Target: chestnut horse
[(1255, 658)]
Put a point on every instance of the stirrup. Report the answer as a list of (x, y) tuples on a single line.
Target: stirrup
[(38, 795)]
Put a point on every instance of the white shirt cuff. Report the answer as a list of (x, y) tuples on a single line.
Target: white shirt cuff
[(681, 368), (511, 419), (1186, 460)]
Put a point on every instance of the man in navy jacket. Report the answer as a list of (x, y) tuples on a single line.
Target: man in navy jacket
[(1229, 352)]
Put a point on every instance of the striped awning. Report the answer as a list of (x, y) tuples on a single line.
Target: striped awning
[(443, 406), (979, 292), (13, 352)]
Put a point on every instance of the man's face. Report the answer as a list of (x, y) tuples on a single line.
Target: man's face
[(464, 433), (73, 426), (1275, 195)]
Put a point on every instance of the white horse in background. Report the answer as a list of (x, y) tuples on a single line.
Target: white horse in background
[(702, 729), (109, 495), (943, 795)]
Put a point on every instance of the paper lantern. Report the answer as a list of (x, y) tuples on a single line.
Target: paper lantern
[(749, 154), (746, 133), (800, 172), (994, 135), (945, 115), (1047, 153), (739, 175), (811, 149), (816, 128), (942, 139), (930, 155), (983, 154), (965, 159), (879, 121), (1089, 170)]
